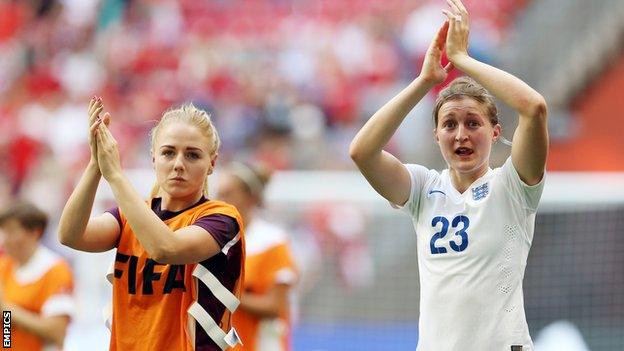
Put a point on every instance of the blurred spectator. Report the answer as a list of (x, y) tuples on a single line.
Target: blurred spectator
[(282, 74), (35, 283), (263, 321)]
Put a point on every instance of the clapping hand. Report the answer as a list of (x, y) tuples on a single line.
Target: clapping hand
[(103, 145), (458, 30), (95, 108), (432, 70)]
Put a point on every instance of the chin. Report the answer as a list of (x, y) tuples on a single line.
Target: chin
[(176, 192), (468, 166)]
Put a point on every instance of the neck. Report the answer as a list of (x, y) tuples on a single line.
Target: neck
[(461, 181), (25, 256), (247, 216), (169, 203)]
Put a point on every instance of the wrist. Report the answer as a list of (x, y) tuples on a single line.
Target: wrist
[(115, 179), (459, 60), (93, 167), (426, 82)]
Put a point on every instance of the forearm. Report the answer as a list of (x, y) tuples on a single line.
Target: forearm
[(46, 328), (505, 86), (78, 208), (152, 233), (378, 130)]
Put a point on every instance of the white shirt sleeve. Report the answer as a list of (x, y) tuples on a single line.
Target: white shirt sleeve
[(58, 305), (527, 195), (419, 176)]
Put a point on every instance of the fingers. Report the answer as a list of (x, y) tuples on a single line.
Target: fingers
[(92, 103), (106, 119), (104, 133), (452, 20), (449, 15), (94, 127), (458, 12), (460, 6), (454, 8), (441, 36), (95, 108), (449, 67)]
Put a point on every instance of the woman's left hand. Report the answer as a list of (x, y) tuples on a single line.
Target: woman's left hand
[(459, 27), (107, 151)]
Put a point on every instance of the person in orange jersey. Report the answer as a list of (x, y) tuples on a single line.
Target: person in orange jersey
[(35, 283), (263, 321), (179, 256)]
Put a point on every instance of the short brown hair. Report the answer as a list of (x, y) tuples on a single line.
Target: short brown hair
[(466, 87), (27, 214), (254, 177)]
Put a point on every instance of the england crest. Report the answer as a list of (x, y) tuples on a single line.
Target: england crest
[(480, 192)]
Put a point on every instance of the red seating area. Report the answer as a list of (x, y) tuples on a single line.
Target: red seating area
[(277, 75)]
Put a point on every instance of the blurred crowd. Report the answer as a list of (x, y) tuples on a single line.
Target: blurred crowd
[(288, 82)]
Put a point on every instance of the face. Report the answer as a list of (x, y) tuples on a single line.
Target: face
[(17, 240), (465, 135), (182, 161), (232, 190)]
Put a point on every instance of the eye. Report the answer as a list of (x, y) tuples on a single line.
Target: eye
[(474, 124), (448, 124), (167, 153), (193, 156)]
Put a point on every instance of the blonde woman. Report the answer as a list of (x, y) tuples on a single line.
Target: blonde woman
[(179, 256)]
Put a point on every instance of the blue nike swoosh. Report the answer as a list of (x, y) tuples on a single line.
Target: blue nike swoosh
[(436, 191)]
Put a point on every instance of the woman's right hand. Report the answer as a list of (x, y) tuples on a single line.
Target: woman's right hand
[(95, 108), (432, 70)]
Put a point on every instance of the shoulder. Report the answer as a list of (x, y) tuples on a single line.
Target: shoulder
[(509, 174), (5, 262), (423, 179), (216, 207), (527, 196), (417, 169), (44, 263)]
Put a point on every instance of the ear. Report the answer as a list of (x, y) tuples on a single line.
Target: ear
[(213, 163), (35, 234), (435, 135), (497, 132)]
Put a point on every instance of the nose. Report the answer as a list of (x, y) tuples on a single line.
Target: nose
[(461, 133), (178, 163)]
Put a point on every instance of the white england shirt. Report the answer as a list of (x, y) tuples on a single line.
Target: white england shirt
[(472, 252)]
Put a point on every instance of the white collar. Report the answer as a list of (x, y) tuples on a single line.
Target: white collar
[(39, 264)]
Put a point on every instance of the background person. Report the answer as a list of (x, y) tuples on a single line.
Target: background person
[(263, 321), (35, 283)]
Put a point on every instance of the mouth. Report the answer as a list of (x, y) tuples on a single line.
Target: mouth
[(178, 179), (463, 151)]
